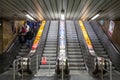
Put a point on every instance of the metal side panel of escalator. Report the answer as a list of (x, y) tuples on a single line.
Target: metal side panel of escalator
[(49, 51), (76, 62), (98, 47)]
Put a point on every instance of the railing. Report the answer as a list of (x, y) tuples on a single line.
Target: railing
[(102, 66), (108, 69), (19, 65)]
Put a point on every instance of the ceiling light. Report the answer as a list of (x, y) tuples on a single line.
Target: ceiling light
[(97, 15), (62, 17), (29, 16)]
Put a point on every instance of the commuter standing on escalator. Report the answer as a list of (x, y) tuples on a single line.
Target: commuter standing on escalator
[(29, 37), (22, 36)]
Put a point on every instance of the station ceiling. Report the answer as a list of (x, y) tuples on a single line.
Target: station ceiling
[(51, 9)]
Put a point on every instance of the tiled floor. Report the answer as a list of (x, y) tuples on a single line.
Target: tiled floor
[(73, 76)]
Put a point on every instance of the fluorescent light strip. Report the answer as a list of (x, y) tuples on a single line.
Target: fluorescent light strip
[(97, 15), (29, 16), (62, 17)]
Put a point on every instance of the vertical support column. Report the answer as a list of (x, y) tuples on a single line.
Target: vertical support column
[(1, 37)]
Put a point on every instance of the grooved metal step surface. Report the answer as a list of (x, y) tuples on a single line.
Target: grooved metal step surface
[(50, 50), (75, 57), (23, 51)]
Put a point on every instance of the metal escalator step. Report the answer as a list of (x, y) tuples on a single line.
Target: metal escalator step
[(75, 56), (72, 37), (47, 47), (100, 52), (77, 68), (52, 36), (45, 72), (69, 34), (98, 46), (76, 60), (24, 50), (50, 48), (99, 49), (105, 56), (73, 47), (72, 41), (96, 43), (73, 53), (50, 63), (71, 30), (50, 45), (22, 53), (49, 51), (52, 58), (74, 50), (47, 66), (51, 39), (75, 40), (73, 44), (51, 42), (49, 54), (77, 64), (24, 47)]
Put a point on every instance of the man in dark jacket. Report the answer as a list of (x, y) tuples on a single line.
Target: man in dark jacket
[(29, 37)]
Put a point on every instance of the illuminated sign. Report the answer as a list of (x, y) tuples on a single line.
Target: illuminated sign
[(38, 36), (88, 42)]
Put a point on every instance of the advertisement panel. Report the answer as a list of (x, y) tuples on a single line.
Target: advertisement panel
[(111, 28)]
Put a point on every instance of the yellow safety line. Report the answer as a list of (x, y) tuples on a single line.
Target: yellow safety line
[(38, 36), (85, 34)]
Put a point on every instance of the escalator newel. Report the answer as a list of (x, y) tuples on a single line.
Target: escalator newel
[(62, 60), (100, 66)]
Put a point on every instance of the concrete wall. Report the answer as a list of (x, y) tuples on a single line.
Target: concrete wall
[(7, 34), (10, 30)]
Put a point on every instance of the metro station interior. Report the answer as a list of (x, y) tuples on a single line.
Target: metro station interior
[(59, 39)]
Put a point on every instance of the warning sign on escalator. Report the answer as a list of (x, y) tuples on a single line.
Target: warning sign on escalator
[(44, 60)]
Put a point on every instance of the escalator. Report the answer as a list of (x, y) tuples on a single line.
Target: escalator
[(23, 51), (98, 47), (76, 62), (50, 50)]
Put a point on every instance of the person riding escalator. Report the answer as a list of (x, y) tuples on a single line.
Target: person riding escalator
[(29, 38)]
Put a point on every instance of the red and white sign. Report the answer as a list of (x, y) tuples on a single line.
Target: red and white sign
[(111, 28)]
